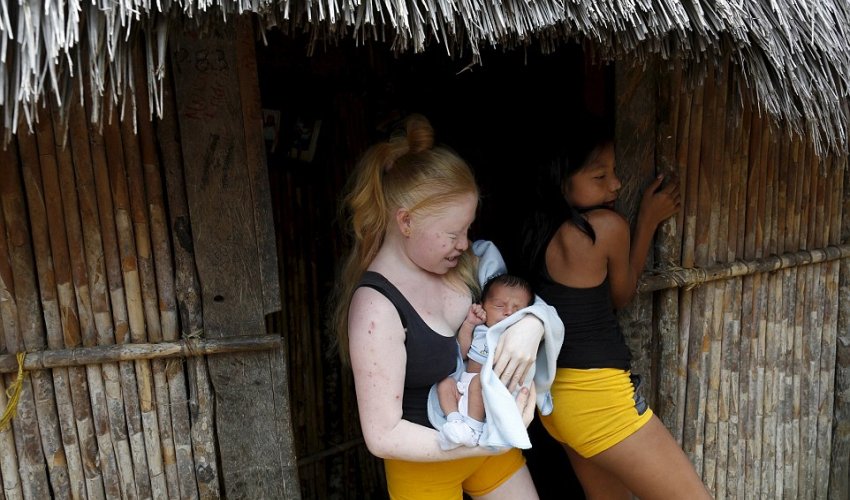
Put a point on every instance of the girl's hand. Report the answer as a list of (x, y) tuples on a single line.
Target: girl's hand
[(517, 351), (657, 204), (525, 400)]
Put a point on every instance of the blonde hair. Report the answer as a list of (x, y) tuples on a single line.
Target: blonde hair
[(405, 172)]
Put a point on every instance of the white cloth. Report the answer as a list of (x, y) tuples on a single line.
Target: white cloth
[(504, 426)]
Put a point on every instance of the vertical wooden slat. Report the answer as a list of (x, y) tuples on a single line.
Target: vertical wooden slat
[(188, 293), (224, 239), (668, 251), (69, 311), (689, 391), (120, 316), (839, 474), (74, 208), (770, 397), (33, 329), (15, 480), (634, 135), (100, 248), (177, 397), (808, 392), (122, 150), (829, 290)]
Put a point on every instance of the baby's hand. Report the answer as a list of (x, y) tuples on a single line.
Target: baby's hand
[(476, 315)]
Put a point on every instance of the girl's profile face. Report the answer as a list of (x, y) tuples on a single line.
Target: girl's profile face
[(437, 240), (595, 183)]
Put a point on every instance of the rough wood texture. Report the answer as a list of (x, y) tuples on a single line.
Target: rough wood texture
[(221, 205), (634, 138), (178, 397), (15, 479), (839, 470), (74, 208), (31, 321), (188, 295), (82, 356)]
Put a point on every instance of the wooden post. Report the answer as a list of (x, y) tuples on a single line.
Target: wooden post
[(223, 209), (635, 139), (188, 296), (18, 473), (668, 252)]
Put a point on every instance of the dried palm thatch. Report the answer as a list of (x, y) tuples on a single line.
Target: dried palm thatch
[(792, 56)]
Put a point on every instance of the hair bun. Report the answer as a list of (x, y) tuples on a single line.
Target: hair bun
[(420, 134)]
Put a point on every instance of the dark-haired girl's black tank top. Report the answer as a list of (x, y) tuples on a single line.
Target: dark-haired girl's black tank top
[(592, 336), (431, 357)]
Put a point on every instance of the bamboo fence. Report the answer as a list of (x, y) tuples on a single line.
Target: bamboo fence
[(750, 271), (89, 288)]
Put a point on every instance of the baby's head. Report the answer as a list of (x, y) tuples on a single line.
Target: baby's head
[(504, 295)]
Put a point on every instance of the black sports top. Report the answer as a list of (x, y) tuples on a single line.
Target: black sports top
[(431, 357), (592, 336)]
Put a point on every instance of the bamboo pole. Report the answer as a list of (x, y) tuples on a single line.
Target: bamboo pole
[(57, 210), (130, 380), (122, 150), (82, 356), (829, 183), (100, 247), (753, 302), (685, 229), (53, 400), (798, 332), (189, 303), (723, 312), (177, 392), (59, 318), (74, 210), (13, 482), (791, 428), (773, 293), (811, 345), (688, 394)]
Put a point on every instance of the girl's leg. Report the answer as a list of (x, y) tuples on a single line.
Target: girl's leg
[(519, 486), (597, 483), (651, 464)]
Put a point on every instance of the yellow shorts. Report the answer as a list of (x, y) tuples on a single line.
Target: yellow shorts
[(448, 480), (594, 409)]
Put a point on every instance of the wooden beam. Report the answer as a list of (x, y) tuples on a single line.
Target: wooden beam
[(82, 356)]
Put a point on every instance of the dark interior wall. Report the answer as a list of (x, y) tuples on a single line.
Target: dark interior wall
[(501, 117)]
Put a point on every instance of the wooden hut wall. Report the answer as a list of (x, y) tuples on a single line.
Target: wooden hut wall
[(99, 286), (741, 348)]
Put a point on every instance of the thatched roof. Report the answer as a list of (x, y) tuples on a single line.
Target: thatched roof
[(793, 55)]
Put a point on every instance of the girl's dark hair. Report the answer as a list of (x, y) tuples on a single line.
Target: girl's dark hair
[(582, 144)]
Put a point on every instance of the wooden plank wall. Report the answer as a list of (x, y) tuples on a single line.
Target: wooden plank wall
[(746, 381), (114, 234)]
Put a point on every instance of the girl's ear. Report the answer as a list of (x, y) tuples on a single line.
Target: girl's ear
[(402, 218)]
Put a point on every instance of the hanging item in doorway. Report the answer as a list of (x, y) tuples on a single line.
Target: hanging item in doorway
[(305, 135)]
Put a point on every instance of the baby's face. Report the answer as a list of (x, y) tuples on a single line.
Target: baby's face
[(502, 301)]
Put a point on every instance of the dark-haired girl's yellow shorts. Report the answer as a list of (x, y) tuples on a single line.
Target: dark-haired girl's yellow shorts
[(448, 480), (594, 409)]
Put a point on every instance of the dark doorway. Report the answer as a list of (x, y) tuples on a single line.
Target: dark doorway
[(322, 111)]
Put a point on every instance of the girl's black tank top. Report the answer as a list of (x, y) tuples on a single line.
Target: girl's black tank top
[(431, 357)]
